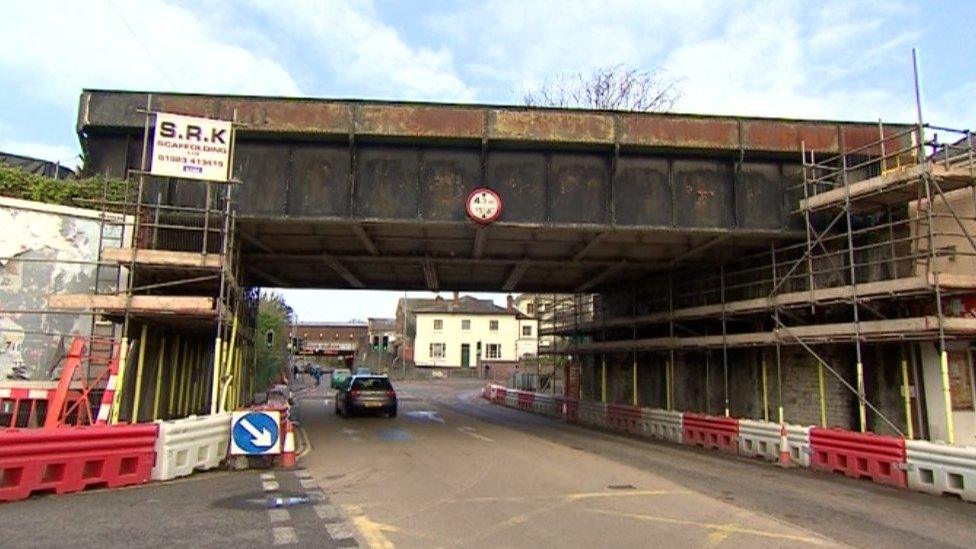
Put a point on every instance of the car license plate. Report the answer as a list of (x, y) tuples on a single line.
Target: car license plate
[(372, 404)]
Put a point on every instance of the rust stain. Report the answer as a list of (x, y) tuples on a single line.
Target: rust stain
[(783, 136), (267, 115), (420, 121), (655, 130), (551, 126)]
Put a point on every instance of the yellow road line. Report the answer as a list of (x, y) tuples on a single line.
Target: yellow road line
[(726, 528)]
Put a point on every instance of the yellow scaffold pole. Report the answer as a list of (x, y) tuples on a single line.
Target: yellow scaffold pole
[(173, 371), (634, 395), (117, 398), (909, 428), (215, 378), (230, 347), (143, 336), (667, 382), (950, 426), (184, 374), (862, 410), (603, 378), (157, 389), (823, 395), (765, 389)]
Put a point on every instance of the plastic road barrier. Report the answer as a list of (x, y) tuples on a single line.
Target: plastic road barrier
[(941, 469), (761, 439), (719, 433), (622, 417), (70, 459), (524, 400), (511, 398), (859, 455), (195, 443), (592, 413), (663, 424), (545, 405), (24, 405)]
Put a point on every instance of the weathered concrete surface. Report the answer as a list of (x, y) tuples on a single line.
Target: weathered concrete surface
[(52, 250)]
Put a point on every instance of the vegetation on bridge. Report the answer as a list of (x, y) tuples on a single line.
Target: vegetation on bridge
[(18, 183)]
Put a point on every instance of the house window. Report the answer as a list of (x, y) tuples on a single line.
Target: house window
[(465, 325), (493, 325), (437, 350), (493, 350), (438, 324), (527, 331), (530, 308)]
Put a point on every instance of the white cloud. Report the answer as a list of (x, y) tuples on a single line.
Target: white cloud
[(364, 54), (58, 48), (66, 156)]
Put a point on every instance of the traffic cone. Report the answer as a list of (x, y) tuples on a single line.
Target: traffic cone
[(784, 447), (288, 452)]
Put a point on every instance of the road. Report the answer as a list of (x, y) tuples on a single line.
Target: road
[(454, 471)]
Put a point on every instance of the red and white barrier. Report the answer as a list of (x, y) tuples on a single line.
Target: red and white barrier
[(622, 417), (714, 432), (859, 455), (70, 459)]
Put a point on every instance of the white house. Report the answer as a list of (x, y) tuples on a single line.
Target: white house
[(457, 333)]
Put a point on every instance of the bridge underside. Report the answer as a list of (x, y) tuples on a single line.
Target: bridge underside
[(347, 194)]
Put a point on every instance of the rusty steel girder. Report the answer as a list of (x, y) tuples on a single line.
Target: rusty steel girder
[(342, 119)]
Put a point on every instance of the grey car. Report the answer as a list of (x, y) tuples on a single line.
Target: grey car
[(366, 395)]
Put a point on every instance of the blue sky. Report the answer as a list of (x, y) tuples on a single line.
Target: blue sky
[(834, 60)]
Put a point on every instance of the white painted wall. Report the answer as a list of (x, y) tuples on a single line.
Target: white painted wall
[(964, 421), (453, 337)]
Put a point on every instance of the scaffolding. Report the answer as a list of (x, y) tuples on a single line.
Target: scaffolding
[(889, 246), (168, 310)]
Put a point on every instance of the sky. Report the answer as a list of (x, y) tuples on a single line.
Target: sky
[(828, 60)]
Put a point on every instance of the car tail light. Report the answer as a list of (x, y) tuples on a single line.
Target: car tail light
[(354, 393), (391, 393)]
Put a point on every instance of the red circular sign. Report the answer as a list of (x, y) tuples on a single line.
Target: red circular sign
[(483, 206)]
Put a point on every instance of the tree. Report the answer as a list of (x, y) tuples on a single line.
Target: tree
[(613, 87), (274, 316)]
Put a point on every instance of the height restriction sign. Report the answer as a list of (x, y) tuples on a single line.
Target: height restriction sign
[(483, 206), (191, 148)]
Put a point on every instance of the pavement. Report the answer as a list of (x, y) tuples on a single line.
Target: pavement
[(453, 470)]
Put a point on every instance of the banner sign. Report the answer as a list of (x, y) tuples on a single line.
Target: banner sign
[(191, 148)]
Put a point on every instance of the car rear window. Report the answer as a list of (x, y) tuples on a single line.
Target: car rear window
[(372, 384)]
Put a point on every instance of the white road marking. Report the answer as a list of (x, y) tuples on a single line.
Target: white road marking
[(326, 511), (470, 432), (267, 476), (278, 515), (308, 483), (339, 530), (284, 535), (269, 485), (303, 474)]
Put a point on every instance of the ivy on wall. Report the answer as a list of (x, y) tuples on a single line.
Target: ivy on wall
[(17, 183)]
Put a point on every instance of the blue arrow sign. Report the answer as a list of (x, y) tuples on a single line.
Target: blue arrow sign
[(255, 433)]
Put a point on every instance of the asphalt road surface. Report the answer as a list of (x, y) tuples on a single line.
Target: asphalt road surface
[(454, 471)]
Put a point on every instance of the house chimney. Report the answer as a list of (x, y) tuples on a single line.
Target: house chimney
[(456, 300), (510, 301), (438, 298)]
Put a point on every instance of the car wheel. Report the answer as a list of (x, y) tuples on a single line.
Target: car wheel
[(392, 414), (337, 409)]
